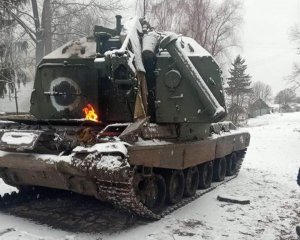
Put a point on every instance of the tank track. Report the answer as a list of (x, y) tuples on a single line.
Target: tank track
[(126, 199), (120, 194)]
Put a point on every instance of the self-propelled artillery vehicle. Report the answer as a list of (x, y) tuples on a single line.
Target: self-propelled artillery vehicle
[(130, 116)]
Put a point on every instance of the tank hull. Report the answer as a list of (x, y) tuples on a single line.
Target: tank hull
[(110, 173)]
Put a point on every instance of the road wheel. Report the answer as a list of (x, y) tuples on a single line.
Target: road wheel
[(191, 181), (152, 192), (175, 186), (205, 175), (219, 169), (231, 164)]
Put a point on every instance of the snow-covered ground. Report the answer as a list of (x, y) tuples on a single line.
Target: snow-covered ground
[(267, 179)]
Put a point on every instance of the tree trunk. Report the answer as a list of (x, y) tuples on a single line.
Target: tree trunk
[(39, 52), (46, 26)]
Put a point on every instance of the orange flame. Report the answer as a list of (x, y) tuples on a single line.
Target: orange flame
[(90, 113)]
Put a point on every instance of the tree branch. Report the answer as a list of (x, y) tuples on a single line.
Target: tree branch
[(30, 32)]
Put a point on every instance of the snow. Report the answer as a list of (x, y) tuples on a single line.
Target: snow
[(129, 34), (81, 48), (112, 163), (267, 179), (119, 147), (6, 188), (18, 138), (49, 158), (130, 30), (108, 162), (99, 60), (152, 142), (117, 53), (220, 110), (150, 43), (192, 48)]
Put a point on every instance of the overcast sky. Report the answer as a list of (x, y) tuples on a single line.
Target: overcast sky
[(267, 49), (266, 46)]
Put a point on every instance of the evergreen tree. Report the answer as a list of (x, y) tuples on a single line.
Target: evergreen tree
[(238, 86)]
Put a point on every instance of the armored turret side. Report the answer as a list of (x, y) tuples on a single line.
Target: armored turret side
[(191, 89)]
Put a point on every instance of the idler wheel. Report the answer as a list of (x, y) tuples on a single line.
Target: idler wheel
[(175, 186), (231, 164), (152, 191), (191, 181), (219, 169), (205, 175)]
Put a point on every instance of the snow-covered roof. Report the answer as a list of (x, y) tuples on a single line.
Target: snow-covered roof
[(81, 48), (259, 103)]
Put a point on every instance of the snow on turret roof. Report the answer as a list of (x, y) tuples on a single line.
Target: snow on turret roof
[(81, 48), (192, 48)]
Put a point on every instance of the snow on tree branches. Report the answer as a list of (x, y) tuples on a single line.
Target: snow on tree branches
[(239, 86)]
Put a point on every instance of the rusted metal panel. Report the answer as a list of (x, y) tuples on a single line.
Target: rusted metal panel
[(174, 156), (183, 155), (164, 156), (225, 145), (27, 169), (199, 152), (24, 161), (242, 141), (148, 157), (52, 179), (231, 142)]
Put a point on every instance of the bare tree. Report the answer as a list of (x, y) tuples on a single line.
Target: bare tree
[(285, 96), (215, 26), (166, 15), (73, 20), (261, 90), (294, 77), (47, 20)]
